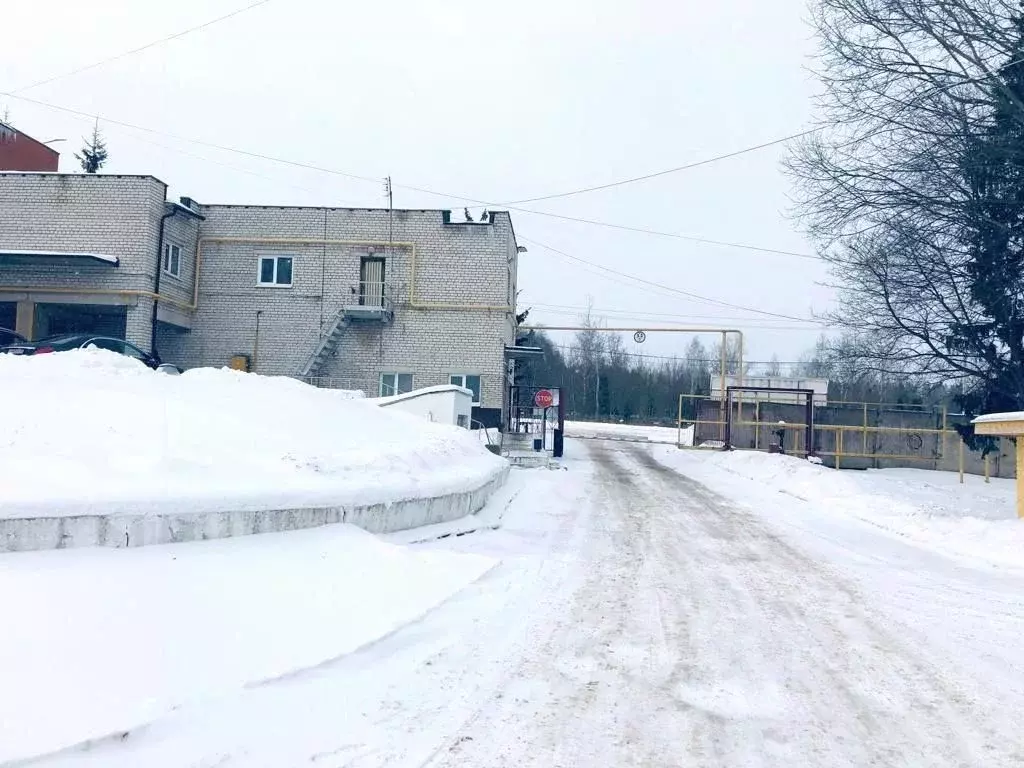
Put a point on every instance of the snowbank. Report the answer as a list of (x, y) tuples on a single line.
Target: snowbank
[(100, 641), (974, 521), (92, 432)]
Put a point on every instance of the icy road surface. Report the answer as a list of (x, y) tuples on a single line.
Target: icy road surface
[(639, 618)]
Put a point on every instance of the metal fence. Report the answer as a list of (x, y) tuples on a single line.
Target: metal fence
[(846, 435)]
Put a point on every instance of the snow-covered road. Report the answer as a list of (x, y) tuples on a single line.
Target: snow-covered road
[(641, 618)]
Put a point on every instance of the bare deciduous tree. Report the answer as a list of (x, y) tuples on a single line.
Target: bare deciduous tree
[(888, 187)]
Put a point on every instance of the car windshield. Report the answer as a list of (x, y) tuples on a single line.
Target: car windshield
[(63, 341)]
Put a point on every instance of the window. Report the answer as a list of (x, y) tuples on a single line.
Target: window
[(276, 271), (469, 382), (395, 384), (117, 345), (172, 259)]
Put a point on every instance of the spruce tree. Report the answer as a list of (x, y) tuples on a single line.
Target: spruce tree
[(994, 172), (94, 153)]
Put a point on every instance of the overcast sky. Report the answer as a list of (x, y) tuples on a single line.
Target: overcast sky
[(495, 102)]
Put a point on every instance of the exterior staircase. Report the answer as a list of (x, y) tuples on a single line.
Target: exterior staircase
[(327, 344)]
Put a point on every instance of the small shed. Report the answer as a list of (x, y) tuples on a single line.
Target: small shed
[(1010, 424)]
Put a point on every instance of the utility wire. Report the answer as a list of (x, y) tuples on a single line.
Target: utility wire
[(423, 190), (633, 313), (199, 142), (684, 358), (643, 319), (140, 49), (667, 171), (695, 296)]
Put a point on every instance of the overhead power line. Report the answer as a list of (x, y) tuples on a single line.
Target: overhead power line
[(688, 294), (667, 171), (684, 358), (616, 311), (409, 187), (744, 323), (141, 48)]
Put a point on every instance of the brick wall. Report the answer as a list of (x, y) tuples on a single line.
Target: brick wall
[(456, 264), (116, 215)]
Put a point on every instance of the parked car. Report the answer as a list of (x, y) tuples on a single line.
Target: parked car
[(7, 336), (85, 341)]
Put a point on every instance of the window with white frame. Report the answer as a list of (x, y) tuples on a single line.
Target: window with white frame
[(275, 271), (395, 384), (468, 381), (172, 259)]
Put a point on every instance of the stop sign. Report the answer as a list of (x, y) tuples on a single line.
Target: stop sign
[(544, 398)]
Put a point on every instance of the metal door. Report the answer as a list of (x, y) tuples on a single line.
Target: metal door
[(371, 282)]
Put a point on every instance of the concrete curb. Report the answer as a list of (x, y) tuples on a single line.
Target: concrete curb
[(139, 530)]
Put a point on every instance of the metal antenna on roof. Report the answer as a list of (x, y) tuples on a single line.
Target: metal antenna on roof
[(391, 212)]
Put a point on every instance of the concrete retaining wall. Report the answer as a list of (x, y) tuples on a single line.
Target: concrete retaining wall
[(138, 530)]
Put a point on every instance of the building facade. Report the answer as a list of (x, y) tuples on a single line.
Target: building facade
[(20, 152), (371, 299)]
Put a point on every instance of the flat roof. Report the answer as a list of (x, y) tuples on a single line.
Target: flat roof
[(1008, 416), (106, 258), (85, 175)]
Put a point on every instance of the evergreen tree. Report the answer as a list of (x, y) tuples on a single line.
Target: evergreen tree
[(994, 170), (94, 153)]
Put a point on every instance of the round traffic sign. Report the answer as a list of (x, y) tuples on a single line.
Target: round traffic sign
[(639, 337), (544, 398)]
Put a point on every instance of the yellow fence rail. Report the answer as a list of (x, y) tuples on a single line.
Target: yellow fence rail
[(853, 442)]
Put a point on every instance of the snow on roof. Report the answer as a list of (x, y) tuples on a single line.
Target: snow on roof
[(1008, 416), (104, 257), (389, 399)]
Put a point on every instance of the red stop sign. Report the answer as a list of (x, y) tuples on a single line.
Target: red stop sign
[(544, 398)]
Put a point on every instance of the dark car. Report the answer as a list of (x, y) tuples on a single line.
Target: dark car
[(7, 336), (83, 341)]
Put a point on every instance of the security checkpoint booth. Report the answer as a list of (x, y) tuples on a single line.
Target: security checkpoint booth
[(536, 421)]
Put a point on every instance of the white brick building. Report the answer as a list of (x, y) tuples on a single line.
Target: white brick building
[(356, 297)]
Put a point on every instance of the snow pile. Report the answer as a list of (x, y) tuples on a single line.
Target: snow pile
[(976, 521), (92, 432), (98, 641)]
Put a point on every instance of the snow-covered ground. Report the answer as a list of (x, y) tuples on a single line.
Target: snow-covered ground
[(632, 616), (98, 642), (95, 432), (976, 521), (667, 435)]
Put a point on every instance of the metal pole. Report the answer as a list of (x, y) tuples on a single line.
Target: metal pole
[(960, 446), (1019, 451), (679, 423), (721, 401), (256, 341), (728, 425), (757, 422), (986, 468), (864, 434)]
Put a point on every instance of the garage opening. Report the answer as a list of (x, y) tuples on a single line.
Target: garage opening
[(8, 314), (103, 320)]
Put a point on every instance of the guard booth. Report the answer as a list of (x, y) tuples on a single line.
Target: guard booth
[(536, 419)]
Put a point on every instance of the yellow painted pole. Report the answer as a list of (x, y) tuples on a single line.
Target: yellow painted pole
[(679, 424), (945, 430), (721, 402), (757, 422), (864, 433), (986, 468), (960, 460), (1019, 450)]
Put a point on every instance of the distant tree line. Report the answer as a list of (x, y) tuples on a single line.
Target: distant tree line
[(601, 381)]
